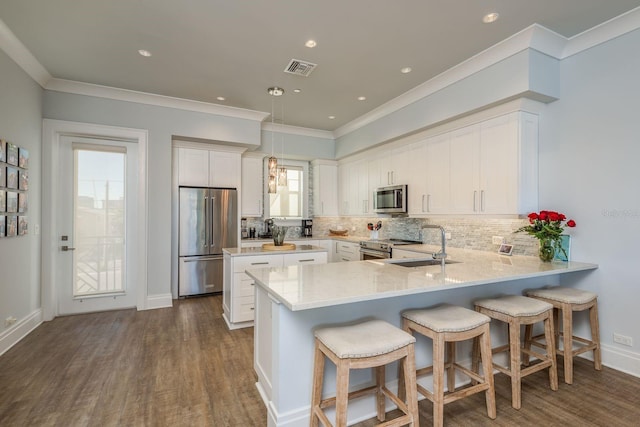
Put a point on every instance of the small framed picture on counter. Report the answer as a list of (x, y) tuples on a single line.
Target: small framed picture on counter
[(505, 249)]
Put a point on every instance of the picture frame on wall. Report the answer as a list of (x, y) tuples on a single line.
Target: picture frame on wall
[(12, 201), (23, 158), (2, 226), (3, 176), (23, 181), (3, 150), (3, 201), (23, 225), (23, 201), (12, 177), (12, 225), (12, 154)]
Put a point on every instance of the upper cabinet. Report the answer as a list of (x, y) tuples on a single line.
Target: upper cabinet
[(325, 188), (251, 199), (494, 166), (208, 168), (353, 188)]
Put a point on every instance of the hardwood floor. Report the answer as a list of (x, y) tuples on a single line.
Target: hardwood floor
[(182, 367)]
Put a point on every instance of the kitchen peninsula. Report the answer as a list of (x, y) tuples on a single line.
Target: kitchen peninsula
[(292, 301)]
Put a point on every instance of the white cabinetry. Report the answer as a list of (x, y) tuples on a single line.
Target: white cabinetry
[(239, 288), (494, 166), (436, 166), (208, 168), (325, 187), (347, 251), (393, 169), (252, 185), (353, 191)]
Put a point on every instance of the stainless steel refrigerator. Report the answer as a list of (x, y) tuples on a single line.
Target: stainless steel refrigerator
[(208, 222)]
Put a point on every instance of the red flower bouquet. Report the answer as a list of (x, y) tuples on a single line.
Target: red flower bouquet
[(547, 226)]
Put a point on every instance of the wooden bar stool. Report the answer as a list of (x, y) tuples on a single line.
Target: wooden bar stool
[(568, 300), (447, 324), (516, 311), (371, 344)]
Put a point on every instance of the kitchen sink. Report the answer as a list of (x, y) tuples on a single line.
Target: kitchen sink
[(423, 262)]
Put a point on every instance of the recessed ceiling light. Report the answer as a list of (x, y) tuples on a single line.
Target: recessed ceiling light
[(405, 70), (362, 98), (332, 117), (144, 52), (490, 17), (297, 90), (221, 98), (311, 43)]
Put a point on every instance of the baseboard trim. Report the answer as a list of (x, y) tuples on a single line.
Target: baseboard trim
[(159, 301), (19, 330), (618, 359)]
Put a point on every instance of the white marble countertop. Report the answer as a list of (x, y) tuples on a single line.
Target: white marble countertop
[(314, 286), (234, 252)]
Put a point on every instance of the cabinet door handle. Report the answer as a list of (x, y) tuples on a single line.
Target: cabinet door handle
[(306, 260), (475, 194), (481, 200), (428, 202), (259, 263), (392, 178), (422, 204), (344, 259)]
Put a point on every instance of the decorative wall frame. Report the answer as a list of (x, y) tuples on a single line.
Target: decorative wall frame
[(14, 183)]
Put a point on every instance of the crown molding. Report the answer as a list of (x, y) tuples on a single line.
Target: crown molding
[(535, 36), (604, 32), (79, 88), (19, 53), (296, 130)]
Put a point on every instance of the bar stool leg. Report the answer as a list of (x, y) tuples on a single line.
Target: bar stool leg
[(318, 377), (567, 342), (451, 372), (515, 357), (342, 393), (595, 336), (438, 383), (551, 352), (487, 368), (380, 374), (411, 389)]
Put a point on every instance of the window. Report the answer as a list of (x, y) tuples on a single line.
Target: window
[(290, 202)]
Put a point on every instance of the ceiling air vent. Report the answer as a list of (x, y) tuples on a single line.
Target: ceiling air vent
[(300, 68)]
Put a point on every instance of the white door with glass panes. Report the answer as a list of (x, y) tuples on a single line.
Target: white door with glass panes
[(96, 226)]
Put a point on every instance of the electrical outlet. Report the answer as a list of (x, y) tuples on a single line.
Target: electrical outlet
[(353, 228), (623, 339), (497, 240), (10, 321), (447, 236)]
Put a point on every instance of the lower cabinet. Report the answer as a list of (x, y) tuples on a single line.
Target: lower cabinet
[(347, 251), (402, 253), (239, 288)]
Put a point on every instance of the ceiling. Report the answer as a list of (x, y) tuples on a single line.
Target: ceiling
[(204, 49)]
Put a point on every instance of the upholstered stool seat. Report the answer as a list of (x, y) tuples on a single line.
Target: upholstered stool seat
[(370, 344), (566, 301), (516, 311), (447, 324)]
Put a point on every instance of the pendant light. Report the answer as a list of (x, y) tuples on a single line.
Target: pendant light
[(282, 171), (273, 161)]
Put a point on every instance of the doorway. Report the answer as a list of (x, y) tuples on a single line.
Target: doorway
[(94, 224)]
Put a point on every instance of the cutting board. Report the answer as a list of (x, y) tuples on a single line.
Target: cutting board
[(284, 247)]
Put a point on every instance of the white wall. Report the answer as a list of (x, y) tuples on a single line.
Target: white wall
[(21, 123), (163, 124), (589, 157)]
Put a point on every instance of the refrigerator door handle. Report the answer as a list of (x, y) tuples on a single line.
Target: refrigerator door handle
[(211, 236), (203, 259), (206, 227)]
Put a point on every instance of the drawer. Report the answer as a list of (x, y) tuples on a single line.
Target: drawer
[(243, 309), (243, 285), (343, 248), (240, 264), (305, 258)]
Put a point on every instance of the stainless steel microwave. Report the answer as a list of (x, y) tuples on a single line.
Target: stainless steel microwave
[(390, 200)]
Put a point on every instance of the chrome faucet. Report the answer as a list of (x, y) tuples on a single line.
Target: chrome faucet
[(442, 254)]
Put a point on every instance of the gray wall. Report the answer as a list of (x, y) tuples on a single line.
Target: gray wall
[(589, 154), (162, 124), (21, 123)]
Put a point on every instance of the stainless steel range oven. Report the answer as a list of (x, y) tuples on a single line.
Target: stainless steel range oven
[(381, 249)]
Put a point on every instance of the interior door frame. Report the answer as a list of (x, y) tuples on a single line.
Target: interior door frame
[(52, 131)]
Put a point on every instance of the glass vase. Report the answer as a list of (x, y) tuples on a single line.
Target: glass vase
[(547, 250)]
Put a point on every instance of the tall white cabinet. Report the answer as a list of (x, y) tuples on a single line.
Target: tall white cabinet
[(252, 176), (325, 187)]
